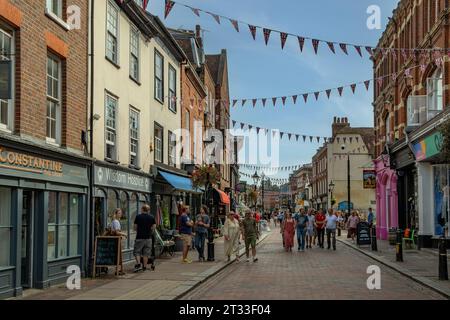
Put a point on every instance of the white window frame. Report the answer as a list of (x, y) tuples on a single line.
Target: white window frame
[(416, 110), (111, 129), (110, 33), (56, 100), (59, 10), (171, 149), (135, 54), (435, 94), (387, 124), (172, 91), (159, 144), (134, 136), (9, 126), (188, 141), (159, 79)]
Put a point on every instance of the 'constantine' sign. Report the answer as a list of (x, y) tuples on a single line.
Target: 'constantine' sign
[(21, 161), (121, 179)]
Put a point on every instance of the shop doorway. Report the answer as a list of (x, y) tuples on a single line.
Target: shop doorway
[(28, 208)]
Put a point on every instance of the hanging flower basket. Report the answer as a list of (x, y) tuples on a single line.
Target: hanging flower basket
[(445, 150), (204, 175)]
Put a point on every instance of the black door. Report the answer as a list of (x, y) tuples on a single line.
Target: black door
[(27, 236)]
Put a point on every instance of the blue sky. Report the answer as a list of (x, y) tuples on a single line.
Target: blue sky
[(257, 70)]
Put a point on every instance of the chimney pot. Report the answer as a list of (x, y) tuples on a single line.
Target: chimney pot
[(198, 31)]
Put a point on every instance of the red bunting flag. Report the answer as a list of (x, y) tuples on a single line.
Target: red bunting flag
[(305, 97), (274, 100), (234, 103), (340, 89), (284, 100), (369, 50), (252, 31), (168, 8), (358, 49), (216, 17), (196, 12), (343, 47), (243, 102), (264, 102), (316, 94), (283, 37), (254, 102), (315, 44), (366, 83), (328, 91), (331, 46), (294, 99), (266, 35), (301, 42), (353, 86), (235, 24)]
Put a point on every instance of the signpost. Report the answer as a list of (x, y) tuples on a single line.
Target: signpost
[(363, 234), (107, 253)]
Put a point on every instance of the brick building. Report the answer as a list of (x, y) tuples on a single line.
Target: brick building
[(43, 165), (408, 109), (319, 179)]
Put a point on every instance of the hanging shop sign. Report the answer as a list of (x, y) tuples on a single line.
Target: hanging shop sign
[(120, 179), (428, 147), (369, 179)]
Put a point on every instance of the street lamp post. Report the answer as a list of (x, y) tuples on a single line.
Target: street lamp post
[(348, 179), (262, 192), (331, 188), (256, 178)]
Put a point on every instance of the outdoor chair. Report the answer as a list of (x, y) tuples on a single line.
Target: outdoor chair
[(409, 240), (167, 246)]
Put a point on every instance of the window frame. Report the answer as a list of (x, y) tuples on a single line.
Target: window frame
[(161, 128), (171, 149), (172, 91), (435, 94), (57, 100), (156, 79), (115, 130), (49, 8), (111, 5), (9, 126), (9, 227), (134, 111), (135, 56)]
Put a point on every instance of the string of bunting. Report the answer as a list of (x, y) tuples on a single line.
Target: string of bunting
[(270, 169), (272, 180), (302, 40)]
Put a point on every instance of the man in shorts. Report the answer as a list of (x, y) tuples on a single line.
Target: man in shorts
[(144, 225), (250, 234), (186, 225)]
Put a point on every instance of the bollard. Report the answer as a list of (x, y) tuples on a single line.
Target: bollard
[(339, 231), (211, 244), (399, 247), (443, 271), (374, 239)]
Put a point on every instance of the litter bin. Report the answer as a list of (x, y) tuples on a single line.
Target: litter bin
[(392, 236)]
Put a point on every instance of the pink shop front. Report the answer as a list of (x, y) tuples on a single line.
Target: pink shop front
[(387, 197)]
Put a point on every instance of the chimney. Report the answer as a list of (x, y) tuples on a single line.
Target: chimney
[(338, 124), (198, 31)]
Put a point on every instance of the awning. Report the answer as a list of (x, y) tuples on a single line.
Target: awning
[(178, 182), (224, 198)]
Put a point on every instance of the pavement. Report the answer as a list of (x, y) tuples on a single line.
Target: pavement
[(421, 266), (170, 280)]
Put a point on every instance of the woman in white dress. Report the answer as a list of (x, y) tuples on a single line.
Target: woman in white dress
[(231, 232)]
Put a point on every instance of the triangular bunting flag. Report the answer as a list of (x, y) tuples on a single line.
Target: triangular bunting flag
[(196, 12), (331, 46), (264, 102), (283, 37), (257, 130), (318, 139), (316, 94), (274, 100), (353, 86), (254, 102), (315, 44), (266, 35), (305, 97), (340, 89), (244, 101), (242, 125), (252, 31), (328, 91), (234, 123), (281, 135), (250, 127), (380, 81), (405, 56), (168, 8), (367, 83), (216, 17), (369, 50), (325, 140), (296, 137), (358, 49), (235, 24), (234, 102), (284, 100), (294, 99), (407, 72), (274, 133), (343, 47), (304, 138), (311, 138), (301, 42), (289, 135)]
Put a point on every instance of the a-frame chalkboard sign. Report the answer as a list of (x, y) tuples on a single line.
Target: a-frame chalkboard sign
[(107, 253)]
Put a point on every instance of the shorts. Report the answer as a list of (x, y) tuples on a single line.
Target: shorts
[(250, 241), (310, 232), (352, 231), (143, 248), (187, 239)]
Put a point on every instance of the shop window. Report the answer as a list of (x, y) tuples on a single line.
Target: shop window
[(112, 205), (441, 199), (51, 234), (5, 227), (134, 209), (74, 227), (124, 220)]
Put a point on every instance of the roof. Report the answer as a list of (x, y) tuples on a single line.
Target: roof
[(367, 134), (216, 64)]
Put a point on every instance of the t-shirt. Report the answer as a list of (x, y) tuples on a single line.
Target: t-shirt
[(184, 228), (320, 218), (331, 222), (370, 217), (311, 220), (144, 223), (115, 225), (249, 225), (205, 220), (257, 217), (353, 222), (302, 220)]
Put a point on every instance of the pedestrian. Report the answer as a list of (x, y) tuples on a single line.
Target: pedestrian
[(331, 224), (231, 232), (250, 235), (115, 230), (310, 229), (186, 225), (201, 232), (370, 218), (352, 224), (144, 225), (288, 230), (301, 226), (320, 226)]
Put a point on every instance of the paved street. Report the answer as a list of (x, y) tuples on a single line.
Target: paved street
[(315, 274)]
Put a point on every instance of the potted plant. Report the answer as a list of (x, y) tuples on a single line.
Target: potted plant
[(204, 175)]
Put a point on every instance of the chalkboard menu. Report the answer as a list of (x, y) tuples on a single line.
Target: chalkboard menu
[(363, 234), (107, 252)]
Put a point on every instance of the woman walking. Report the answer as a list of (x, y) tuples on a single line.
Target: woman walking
[(116, 231), (231, 231), (201, 232), (352, 224), (288, 230)]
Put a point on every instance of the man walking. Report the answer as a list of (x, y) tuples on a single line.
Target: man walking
[(301, 224), (370, 218), (186, 225), (201, 232), (144, 225), (331, 224), (320, 227), (250, 234)]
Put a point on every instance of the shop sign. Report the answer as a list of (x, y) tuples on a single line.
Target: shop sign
[(428, 147), (26, 165), (369, 179), (121, 179)]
